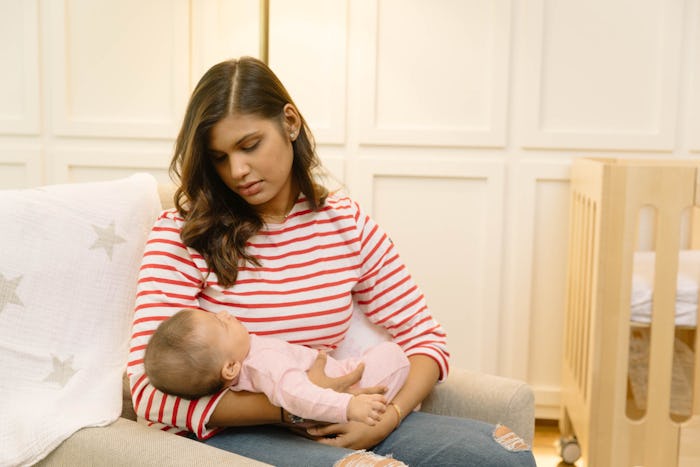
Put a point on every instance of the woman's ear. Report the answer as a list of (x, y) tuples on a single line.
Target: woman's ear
[(230, 371), (292, 120)]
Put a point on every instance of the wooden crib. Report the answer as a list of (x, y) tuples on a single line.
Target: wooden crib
[(607, 196)]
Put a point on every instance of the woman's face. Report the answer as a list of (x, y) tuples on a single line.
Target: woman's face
[(253, 156)]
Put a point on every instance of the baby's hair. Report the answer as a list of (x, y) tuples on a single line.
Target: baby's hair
[(179, 360)]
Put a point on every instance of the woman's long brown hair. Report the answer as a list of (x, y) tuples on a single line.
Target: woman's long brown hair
[(218, 222)]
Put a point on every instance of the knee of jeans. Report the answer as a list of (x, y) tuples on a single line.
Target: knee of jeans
[(367, 459), (508, 439)]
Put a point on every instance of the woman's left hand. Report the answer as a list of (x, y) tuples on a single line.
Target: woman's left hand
[(354, 435), (422, 376)]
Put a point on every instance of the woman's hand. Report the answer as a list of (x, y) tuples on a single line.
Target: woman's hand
[(345, 383), (422, 376), (355, 435)]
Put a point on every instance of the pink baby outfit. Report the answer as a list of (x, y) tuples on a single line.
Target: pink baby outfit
[(278, 369)]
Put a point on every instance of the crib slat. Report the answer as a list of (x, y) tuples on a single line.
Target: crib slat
[(669, 194), (689, 445)]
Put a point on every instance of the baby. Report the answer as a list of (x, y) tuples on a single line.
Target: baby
[(196, 353)]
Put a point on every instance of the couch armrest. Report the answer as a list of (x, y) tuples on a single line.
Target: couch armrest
[(489, 398), (125, 442)]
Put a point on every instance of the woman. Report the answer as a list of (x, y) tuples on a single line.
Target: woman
[(253, 233)]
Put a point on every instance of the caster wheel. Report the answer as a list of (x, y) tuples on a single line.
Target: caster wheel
[(569, 450)]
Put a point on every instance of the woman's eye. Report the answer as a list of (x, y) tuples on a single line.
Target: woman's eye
[(250, 147), (218, 157)]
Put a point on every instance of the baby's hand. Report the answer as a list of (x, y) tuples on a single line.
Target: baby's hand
[(366, 408)]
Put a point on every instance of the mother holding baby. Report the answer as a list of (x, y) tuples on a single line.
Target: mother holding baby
[(255, 234)]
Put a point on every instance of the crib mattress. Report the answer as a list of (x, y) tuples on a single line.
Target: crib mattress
[(686, 292)]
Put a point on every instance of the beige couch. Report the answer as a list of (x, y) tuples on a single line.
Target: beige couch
[(125, 442), (465, 394)]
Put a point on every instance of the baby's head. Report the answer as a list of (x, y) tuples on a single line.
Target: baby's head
[(196, 353)]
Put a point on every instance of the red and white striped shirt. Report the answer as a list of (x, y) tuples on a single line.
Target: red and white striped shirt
[(315, 269)]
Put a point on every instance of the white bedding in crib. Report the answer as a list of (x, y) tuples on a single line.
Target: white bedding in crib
[(686, 289)]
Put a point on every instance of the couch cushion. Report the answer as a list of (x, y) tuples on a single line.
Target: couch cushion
[(70, 259)]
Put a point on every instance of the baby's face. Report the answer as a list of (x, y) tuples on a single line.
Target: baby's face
[(226, 334)]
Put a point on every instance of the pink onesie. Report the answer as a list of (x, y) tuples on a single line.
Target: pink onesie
[(278, 369)]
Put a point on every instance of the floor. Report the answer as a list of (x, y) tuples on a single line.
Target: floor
[(545, 446)]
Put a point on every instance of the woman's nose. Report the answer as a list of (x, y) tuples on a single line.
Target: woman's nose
[(238, 167)]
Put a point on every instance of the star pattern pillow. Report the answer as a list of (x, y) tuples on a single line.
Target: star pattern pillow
[(69, 260)]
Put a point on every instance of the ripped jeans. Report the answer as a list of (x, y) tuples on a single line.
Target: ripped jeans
[(422, 439)]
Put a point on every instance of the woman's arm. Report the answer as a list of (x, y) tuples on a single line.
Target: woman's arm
[(244, 409), (422, 377), (387, 295), (171, 278)]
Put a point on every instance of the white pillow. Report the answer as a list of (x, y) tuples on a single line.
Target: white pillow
[(361, 335), (69, 261)]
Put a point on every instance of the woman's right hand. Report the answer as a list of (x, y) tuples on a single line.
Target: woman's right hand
[(346, 383)]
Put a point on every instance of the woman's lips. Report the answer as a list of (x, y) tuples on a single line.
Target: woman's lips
[(250, 189)]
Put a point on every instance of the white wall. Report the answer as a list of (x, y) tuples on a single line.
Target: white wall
[(454, 122)]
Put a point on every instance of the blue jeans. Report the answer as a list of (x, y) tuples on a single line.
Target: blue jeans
[(422, 439)]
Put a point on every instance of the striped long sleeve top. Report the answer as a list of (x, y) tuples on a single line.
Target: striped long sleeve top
[(315, 269)]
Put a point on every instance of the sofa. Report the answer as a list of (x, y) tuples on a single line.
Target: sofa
[(115, 437), (466, 393)]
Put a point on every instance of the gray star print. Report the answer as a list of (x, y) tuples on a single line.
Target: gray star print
[(8, 292), (62, 370), (106, 238)]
